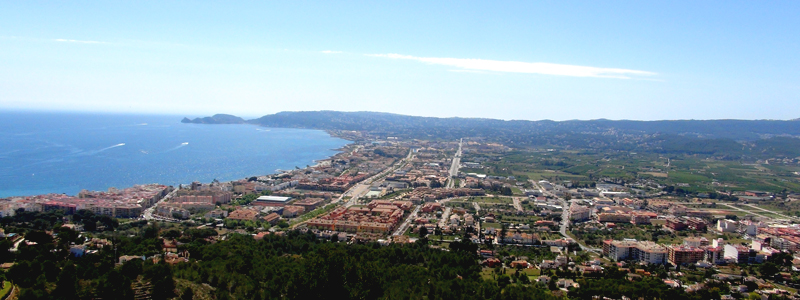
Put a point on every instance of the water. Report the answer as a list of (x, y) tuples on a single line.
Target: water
[(64, 153)]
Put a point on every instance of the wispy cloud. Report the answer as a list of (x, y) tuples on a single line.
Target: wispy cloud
[(524, 67), (466, 71), (330, 52), (78, 41)]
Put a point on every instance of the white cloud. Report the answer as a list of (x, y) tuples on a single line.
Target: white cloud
[(330, 52), (523, 67), (78, 41)]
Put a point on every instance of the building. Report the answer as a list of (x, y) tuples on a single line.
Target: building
[(272, 218), (738, 253), (725, 225), (579, 213), (639, 218), (642, 251), (683, 255), (678, 224), (714, 254), (271, 201), (291, 211), (309, 203), (614, 217), (243, 215), (217, 214), (695, 242)]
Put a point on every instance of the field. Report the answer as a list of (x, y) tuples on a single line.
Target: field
[(691, 173)]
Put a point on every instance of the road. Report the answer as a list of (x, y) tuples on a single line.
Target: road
[(454, 167), (477, 208), (404, 226), (517, 203), (773, 212), (565, 223), (445, 217), (361, 188), (148, 213)]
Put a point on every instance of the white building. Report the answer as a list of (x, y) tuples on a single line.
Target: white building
[(725, 225)]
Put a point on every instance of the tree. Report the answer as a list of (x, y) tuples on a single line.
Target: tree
[(161, 278), (188, 294), (283, 224), (552, 284), (67, 283), (423, 231), (768, 269), (172, 233), (524, 278), (503, 281)]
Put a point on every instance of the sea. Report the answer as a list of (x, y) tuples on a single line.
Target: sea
[(49, 152)]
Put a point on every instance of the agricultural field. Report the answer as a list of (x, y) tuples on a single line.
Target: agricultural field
[(691, 173)]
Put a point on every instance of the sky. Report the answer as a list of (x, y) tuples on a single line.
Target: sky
[(530, 60)]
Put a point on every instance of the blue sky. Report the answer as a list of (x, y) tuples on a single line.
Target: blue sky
[(509, 60)]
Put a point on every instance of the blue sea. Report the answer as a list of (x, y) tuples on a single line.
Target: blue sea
[(66, 152)]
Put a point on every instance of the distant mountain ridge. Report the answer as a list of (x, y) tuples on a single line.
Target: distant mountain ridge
[(694, 136)]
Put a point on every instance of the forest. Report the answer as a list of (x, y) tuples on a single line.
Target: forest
[(294, 265)]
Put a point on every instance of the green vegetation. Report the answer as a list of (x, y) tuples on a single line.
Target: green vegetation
[(314, 213), (6, 289)]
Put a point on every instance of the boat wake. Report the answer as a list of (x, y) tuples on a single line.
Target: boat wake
[(184, 144), (93, 152)]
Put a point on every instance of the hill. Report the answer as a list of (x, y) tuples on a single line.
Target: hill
[(727, 138), (216, 119)]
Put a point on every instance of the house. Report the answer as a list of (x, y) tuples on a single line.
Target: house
[(543, 279), (549, 264), (272, 218), (260, 236), (586, 270), (170, 246), (492, 262), (567, 283), (519, 264)]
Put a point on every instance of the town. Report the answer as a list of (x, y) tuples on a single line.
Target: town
[(526, 224)]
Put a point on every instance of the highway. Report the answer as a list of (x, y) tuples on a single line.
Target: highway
[(454, 167), (773, 212), (747, 211)]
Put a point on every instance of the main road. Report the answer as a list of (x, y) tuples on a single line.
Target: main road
[(148, 213), (456, 164), (404, 226)]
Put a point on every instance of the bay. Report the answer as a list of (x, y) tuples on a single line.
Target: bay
[(44, 152)]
